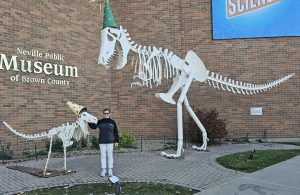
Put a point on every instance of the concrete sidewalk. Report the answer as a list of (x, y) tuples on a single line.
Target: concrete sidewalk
[(198, 170), (279, 179)]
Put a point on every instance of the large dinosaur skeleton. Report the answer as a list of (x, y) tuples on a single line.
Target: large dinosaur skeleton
[(153, 64), (65, 132)]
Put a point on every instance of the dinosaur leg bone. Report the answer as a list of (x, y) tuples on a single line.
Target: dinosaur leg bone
[(49, 152), (199, 124), (179, 119), (178, 82), (65, 159), (65, 135)]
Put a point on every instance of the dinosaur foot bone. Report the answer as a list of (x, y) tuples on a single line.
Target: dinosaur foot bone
[(165, 97), (45, 173), (204, 145), (202, 148), (173, 156)]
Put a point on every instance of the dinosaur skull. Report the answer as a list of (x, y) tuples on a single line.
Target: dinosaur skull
[(88, 117), (84, 119), (113, 41)]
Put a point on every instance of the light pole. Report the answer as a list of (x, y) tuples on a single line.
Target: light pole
[(116, 181)]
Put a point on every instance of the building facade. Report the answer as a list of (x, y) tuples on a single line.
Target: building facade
[(49, 52)]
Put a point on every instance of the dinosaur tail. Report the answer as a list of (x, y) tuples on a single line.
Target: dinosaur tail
[(27, 137), (224, 83)]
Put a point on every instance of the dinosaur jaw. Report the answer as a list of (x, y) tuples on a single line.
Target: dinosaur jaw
[(116, 55), (106, 62), (122, 60), (106, 56)]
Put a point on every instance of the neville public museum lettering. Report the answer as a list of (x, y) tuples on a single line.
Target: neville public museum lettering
[(36, 67), (238, 7)]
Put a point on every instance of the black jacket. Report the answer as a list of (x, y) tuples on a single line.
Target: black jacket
[(108, 131)]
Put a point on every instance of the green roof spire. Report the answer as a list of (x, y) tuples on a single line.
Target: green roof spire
[(108, 18)]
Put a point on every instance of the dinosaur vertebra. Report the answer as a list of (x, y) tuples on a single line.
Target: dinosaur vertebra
[(64, 132), (153, 64)]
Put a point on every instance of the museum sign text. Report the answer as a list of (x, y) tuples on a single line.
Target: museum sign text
[(13, 63)]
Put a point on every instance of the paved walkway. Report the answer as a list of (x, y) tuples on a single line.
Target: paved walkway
[(282, 178), (198, 170)]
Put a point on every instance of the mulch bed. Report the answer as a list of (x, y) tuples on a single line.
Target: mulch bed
[(39, 172)]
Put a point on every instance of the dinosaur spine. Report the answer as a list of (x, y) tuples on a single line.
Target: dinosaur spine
[(43, 135), (218, 81)]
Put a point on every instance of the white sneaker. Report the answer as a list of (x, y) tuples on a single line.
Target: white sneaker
[(110, 172), (103, 172)]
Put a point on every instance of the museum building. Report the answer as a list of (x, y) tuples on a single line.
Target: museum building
[(49, 55)]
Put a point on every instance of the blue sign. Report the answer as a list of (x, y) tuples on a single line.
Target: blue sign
[(255, 18)]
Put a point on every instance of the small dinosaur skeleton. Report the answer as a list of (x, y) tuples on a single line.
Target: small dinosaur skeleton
[(65, 132), (153, 64)]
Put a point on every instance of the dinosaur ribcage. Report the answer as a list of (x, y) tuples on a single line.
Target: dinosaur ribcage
[(154, 64)]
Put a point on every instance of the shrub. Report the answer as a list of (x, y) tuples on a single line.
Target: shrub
[(215, 126), (6, 153), (83, 143), (126, 140), (57, 145), (75, 145), (95, 142)]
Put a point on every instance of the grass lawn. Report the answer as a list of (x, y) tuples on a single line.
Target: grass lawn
[(243, 161), (289, 143), (126, 189)]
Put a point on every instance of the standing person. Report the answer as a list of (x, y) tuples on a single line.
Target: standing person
[(108, 136)]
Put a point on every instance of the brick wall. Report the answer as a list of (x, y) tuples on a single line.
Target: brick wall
[(186, 25), (71, 28)]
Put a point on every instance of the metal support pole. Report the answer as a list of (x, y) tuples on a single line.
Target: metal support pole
[(117, 188), (3, 155), (141, 143), (88, 142), (17, 150), (35, 152), (265, 136), (184, 139), (116, 182)]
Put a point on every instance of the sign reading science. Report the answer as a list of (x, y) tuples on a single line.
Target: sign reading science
[(255, 18)]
